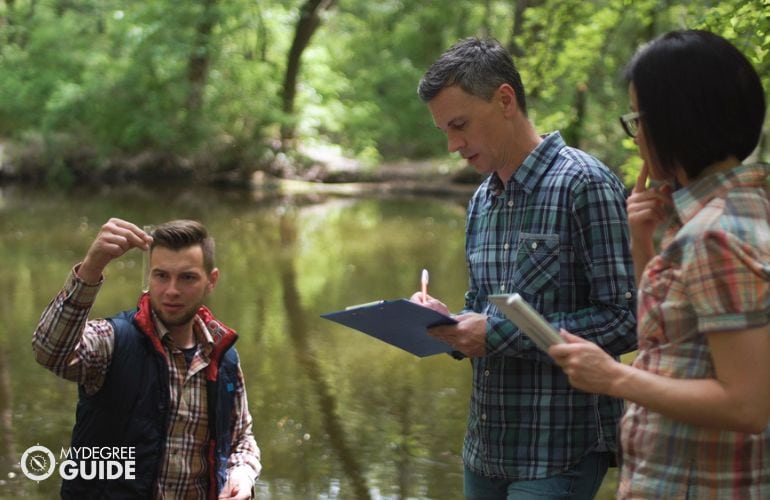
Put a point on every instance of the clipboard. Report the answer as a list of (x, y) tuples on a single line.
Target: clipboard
[(529, 321), (401, 323)]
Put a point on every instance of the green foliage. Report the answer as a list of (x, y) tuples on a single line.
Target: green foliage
[(747, 25), (104, 82)]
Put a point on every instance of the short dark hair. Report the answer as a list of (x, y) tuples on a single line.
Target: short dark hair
[(182, 233), (700, 100), (479, 66)]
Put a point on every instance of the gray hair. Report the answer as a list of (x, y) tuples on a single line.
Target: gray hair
[(479, 66)]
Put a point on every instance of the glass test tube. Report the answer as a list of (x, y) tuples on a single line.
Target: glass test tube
[(146, 262)]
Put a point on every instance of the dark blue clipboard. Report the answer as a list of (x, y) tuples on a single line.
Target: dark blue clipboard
[(400, 323)]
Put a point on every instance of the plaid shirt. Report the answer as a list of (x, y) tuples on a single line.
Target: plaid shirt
[(713, 274), (556, 233), (80, 350)]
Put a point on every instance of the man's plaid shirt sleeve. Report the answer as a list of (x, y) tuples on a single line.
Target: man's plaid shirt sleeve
[(67, 343), (245, 453)]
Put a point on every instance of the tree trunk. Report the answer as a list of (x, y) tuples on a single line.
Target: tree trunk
[(309, 20), (519, 7), (198, 63), (573, 134)]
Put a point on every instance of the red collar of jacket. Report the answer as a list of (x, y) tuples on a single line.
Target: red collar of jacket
[(224, 336)]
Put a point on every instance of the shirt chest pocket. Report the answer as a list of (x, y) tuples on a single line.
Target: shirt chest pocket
[(536, 263)]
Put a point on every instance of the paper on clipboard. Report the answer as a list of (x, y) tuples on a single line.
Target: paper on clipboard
[(529, 321), (400, 323)]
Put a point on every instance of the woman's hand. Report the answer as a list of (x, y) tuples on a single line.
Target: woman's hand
[(588, 367), (647, 209)]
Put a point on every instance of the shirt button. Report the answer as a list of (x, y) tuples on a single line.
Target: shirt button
[(506, 246), (510, 203), (483, 416), (534, 245), (486, 373), (628, 295), (502, 288)]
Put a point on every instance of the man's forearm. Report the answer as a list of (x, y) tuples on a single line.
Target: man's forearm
[(60, 342), (245, 451)]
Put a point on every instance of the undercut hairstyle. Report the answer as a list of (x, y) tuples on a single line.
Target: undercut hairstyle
[(700, 100), (479, 66), (180, 234)]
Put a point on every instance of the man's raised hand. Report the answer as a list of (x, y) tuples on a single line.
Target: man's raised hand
[(115, 238)]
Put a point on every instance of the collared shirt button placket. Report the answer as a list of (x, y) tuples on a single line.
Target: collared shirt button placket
[(506, 246)]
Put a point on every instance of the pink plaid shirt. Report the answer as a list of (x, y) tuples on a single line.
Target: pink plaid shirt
[(713, 274)]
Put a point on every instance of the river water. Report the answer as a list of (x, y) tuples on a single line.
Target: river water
[(337, 414)]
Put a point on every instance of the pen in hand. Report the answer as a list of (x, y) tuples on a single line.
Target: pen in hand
[(424, 282)]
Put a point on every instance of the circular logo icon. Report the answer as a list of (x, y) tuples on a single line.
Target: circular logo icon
[(38, 463)]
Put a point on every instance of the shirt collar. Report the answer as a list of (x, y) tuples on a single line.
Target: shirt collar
[(691, 199), (531, 169), (202, 335)]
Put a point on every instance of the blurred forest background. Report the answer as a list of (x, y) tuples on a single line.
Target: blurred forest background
[(215, 90)]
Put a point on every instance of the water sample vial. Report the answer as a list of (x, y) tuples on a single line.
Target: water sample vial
[(146, 262)]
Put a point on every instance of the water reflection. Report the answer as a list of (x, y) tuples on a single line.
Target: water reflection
[(337, 414), (298, 330)]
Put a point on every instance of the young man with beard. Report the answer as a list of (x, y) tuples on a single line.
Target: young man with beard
[(163, 378)]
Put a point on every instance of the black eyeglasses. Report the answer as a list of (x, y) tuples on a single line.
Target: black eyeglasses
[(630, 122)]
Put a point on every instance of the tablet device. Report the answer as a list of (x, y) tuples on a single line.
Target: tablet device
[(529, 321)]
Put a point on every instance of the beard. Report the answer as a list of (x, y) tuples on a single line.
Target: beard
[(178, 319)]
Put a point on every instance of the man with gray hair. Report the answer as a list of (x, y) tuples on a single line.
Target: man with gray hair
[(548, 222)]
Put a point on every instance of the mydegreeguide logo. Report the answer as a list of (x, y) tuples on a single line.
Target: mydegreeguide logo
[(38, 463)]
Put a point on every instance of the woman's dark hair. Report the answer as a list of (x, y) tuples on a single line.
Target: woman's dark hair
[(479, 66), (700, 100), (181, 234)]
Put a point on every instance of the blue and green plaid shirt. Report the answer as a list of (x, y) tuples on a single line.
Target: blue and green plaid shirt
[(556, 233)]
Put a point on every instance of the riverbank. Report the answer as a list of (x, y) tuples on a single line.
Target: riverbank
[(333, 173), (307, 170)]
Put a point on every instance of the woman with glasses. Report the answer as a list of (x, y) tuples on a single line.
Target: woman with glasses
[(698, 392)]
